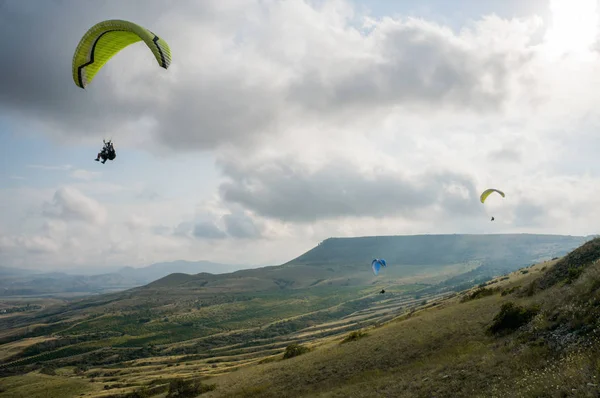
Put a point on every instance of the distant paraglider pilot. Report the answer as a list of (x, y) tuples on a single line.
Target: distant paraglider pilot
[(492, 219), (107, 153)]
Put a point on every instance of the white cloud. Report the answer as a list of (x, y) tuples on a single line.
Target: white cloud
[(70, 204), (324, 123)]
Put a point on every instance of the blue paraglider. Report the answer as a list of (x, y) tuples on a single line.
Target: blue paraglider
[(377, 264)]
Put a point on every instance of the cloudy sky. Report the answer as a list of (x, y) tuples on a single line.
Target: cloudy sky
[(282, 123)]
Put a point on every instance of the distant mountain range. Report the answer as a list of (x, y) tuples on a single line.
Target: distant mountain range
[(20, 282), (335, 261)]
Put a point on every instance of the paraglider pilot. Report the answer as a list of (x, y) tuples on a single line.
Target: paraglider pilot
[(107, 153)]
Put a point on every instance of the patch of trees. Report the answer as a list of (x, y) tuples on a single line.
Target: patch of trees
[(28, 307)]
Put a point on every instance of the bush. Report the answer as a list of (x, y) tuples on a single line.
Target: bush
[(574, 274), (524, 271), (353, 336), (182, 388), (479, 293), (49, 370), (293, 350), (511, 317)]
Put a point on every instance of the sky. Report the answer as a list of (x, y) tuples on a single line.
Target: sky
[(282, 123)]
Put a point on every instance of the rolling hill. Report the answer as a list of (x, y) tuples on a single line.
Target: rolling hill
[(346, 261), (439, 249)]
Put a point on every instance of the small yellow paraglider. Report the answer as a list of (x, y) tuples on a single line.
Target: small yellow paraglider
[(488, 192)]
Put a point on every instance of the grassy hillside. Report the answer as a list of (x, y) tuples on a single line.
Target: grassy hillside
[(505, 339), (231, 330)]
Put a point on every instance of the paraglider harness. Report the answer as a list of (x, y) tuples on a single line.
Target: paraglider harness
[(107, 153)]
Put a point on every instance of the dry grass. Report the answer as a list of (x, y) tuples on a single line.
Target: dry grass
[(442, 351), (35, 385)]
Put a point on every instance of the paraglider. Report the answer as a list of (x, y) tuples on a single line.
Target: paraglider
[(488, 192), (376, 265), (103, 41)]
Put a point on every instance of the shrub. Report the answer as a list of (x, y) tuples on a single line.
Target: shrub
[(353, 336), (524, 271), (574, 274), (511, 317), (49, 370), (479, 293), (293, 350), (182, 388)]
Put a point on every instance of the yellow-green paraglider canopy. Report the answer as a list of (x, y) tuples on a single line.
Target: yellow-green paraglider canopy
[(488, 192), (105, 39)]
